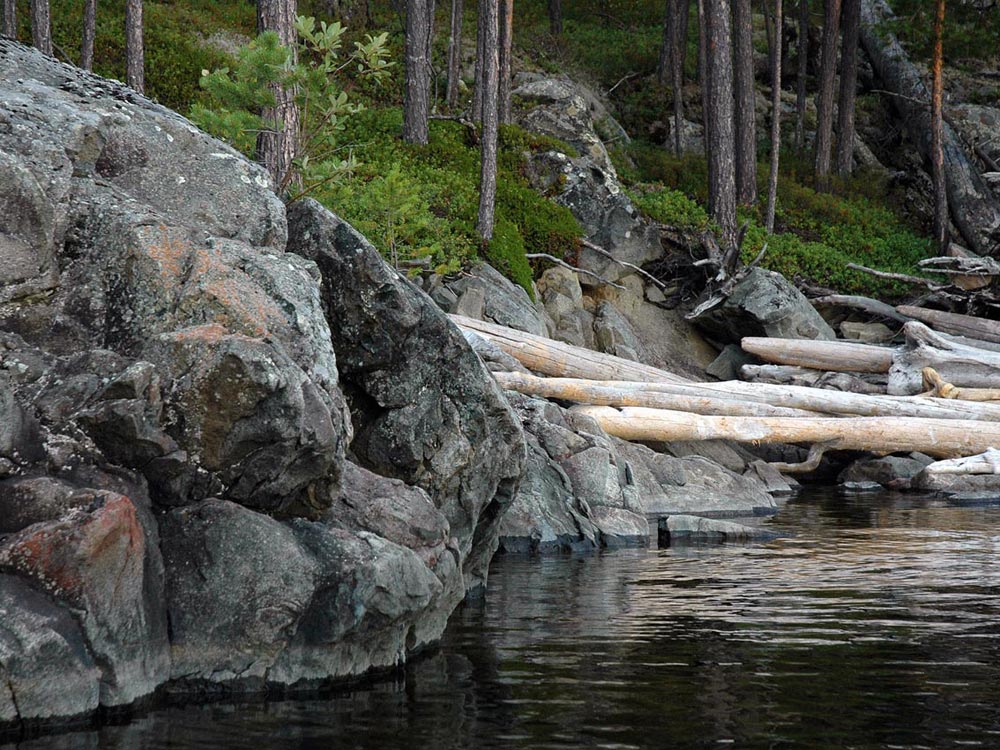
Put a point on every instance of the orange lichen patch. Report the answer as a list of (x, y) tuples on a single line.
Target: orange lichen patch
[(212, 333), (169, 250), (237, 301), (84, 555)]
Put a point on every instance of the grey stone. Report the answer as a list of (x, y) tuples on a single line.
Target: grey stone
[(46, 671), (471, 304), (863, 486), (727, 365), (426, 410), (502, 301), (867, 333), (773, 480), (883, 471), (694, 529), (615, 335), (957, 484), (766, 304)]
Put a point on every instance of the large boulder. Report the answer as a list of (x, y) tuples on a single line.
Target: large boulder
[(486, 294), (425, 409)]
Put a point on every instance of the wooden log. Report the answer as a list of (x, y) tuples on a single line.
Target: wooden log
[(936, 437), (591, 392), (813, 401), (865, 304), (958, 364), (839, 356), (940, 389), (987, 462), (954, 323), (555, 358), (869, 382)]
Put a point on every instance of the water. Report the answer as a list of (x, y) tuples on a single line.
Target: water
[(874, 624)]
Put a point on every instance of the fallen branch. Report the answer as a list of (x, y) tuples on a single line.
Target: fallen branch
[(929, 283), (960, 325), (624, 264), (865, 304), (811, 463), (564, 264)]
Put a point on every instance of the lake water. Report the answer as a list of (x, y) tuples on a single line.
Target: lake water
[(875, 623)]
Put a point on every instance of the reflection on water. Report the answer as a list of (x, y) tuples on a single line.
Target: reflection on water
[(874, 623)]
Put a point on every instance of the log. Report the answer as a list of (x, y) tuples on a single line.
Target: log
[(813, 401), (839, 356), (987, 462), (936, 437), (611, 394), (865, 304), (972, 206), (940, 389), (957, 363), (955, 323), (555, 358), (870, 383)]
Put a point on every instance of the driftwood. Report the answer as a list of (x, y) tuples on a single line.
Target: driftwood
[(613, 394), (810, 402), (811, 463), (865, 304), (883, 435), (959, 364), (555, 358), (987, 462), (938, 388), (971, 204), (839, 356), (870, 383), (960, 325)]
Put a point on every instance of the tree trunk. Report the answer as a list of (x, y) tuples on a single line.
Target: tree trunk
[(555, 17), (489, 31), (772, 177), (417, 88), (663, 63), (477, 86), (677, 68), (746, 125), (506, 58), (803, 72), (454, 54), (848, 87), (954, 323), (720, 137), (135, 57), (41, 26), (850, 382), (824, 97), (936, 437), (972, 206), (9, 19), (555, 358), (937, 133), (703, 72), (89, 31), (277, 144), (838, 356)]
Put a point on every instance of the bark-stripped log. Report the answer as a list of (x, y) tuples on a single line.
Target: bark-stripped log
[(959, 325), (973, 208), (838, 356), (810, 402), (852, 382), (555, 358), (958, 364), (987, 462), (936, 437)]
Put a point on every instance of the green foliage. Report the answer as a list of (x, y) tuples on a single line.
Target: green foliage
[(315, 75), (971, 30), (672, 207)]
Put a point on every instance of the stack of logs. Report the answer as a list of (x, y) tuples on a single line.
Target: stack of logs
[(933, 394)]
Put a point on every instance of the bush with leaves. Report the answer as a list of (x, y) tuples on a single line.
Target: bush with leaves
[(318, 74)]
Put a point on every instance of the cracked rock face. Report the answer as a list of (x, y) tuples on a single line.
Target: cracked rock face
[(175, 501)]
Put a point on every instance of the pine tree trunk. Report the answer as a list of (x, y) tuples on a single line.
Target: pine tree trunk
[(477, 89), (135, 57), (848, 87), (489, 31), (937, 134), (803, 73), (9, 19), (277, 145), (677, 66), (746, 125), (772, 178), (720, 135), (506, 32), (663, 63), (703, 81), (555, 17), (41, 26), (89, 31), (824, 97), (454, 54), (417, 88)]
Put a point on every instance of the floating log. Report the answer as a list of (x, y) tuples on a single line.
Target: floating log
[(869, 382), (615, 394), (959, 325), (838, 356), (936, 437), (987, 462), (555, 358), (973, 208), (813, 402)]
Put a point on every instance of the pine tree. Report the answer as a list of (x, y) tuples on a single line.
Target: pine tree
[(746, 125), (775, 54), (824, 97), (848, 87), (9, 20), (41, 26), (489, 33), (937, 132), (677, 70), (555, 17), (506, 32), (276, 145), (802, 52), (89, 32), (720, 135), (135, 58), (454, 53), (417, 89)]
